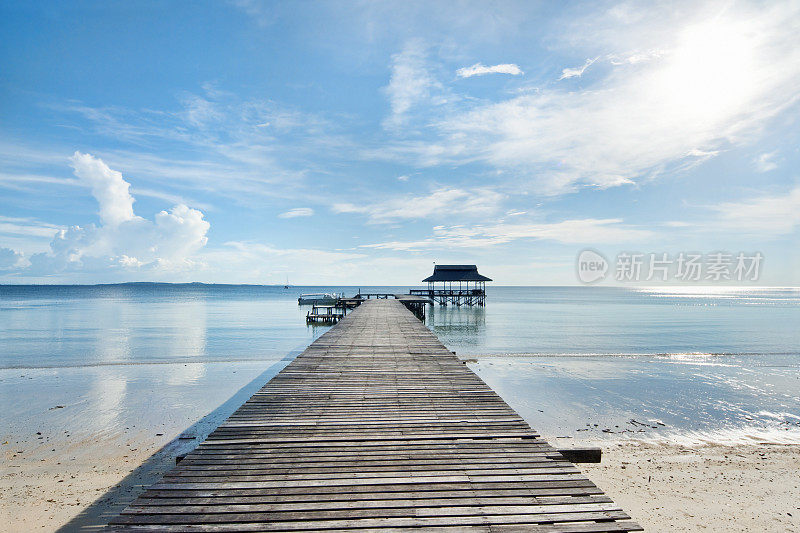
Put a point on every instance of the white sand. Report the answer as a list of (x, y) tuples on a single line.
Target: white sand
[(45, 493), (665, 487), (668, 487)]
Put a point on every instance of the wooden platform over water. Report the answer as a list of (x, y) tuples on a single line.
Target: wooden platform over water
[(375, 427)]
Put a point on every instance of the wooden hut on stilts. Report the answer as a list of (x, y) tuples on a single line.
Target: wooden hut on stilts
[(455, 284)]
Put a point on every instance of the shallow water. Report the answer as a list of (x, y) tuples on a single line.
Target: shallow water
[(608, 320), (687, 399), (162, 356), (96, 410)]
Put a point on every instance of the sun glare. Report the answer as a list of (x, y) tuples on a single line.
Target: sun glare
[(709, 75)]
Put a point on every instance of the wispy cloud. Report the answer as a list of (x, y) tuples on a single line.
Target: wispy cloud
[(410, 82), (297, 212), (577, 231), (576, 72), (717, 84), (766, 162), (439, 203), (479, 69), (254, 262), (764, 215), (22, 226), (210, 141), (634, 58)]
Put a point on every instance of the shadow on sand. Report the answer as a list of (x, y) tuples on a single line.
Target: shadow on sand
[(102, 510)]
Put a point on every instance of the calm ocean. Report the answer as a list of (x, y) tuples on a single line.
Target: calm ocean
[(691, 361), (53, 326)]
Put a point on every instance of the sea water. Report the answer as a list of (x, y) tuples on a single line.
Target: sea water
[(698, 364)]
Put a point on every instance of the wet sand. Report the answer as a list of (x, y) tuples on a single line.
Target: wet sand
[(737, 472), (74, 459)]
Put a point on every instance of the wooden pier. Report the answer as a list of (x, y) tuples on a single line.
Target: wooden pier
[(375, 427), (325, 314)]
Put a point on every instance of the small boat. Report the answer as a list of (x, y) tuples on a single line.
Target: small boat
[(327, 298)]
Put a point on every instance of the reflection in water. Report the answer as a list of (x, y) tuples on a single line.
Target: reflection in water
[(111, 332), (78, 326), (93, 349), (467, 324), (732, 398), (105, 404), (108, 409), (188, 337)]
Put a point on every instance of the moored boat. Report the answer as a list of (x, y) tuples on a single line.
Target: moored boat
[(327, 298)]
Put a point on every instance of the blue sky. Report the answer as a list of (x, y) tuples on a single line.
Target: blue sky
[(357, 143)]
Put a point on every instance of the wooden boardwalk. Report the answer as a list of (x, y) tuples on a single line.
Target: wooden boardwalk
[(375, 427)]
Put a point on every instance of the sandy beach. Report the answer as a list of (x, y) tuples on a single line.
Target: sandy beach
[(691, 442), (75, 458), (670, 487), (48, 493), (665, 487)]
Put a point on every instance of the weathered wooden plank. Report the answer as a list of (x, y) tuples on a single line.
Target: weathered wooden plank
[(376, 426)]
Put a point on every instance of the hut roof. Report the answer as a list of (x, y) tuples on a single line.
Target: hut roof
[(455, 273)]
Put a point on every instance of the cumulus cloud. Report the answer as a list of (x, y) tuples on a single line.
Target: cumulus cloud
[(445, 200), (478, 69), (576, 72), (123, 240), (9, 258), (108, 188), (297, 212)]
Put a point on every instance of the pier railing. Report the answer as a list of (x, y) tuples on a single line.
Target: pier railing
[(456, 297)]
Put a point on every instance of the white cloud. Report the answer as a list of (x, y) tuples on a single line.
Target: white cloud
[(404, 177), (123, 240), (764, 215), (108, 188), (10, 259), (479, 69), (410, 83), (251, 262), (242, 149), (721, 78), (297, 212), (635, 57), (766, 162), (578, 231), (576, 72), (439, 203), (28, 227), (694, 152)]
